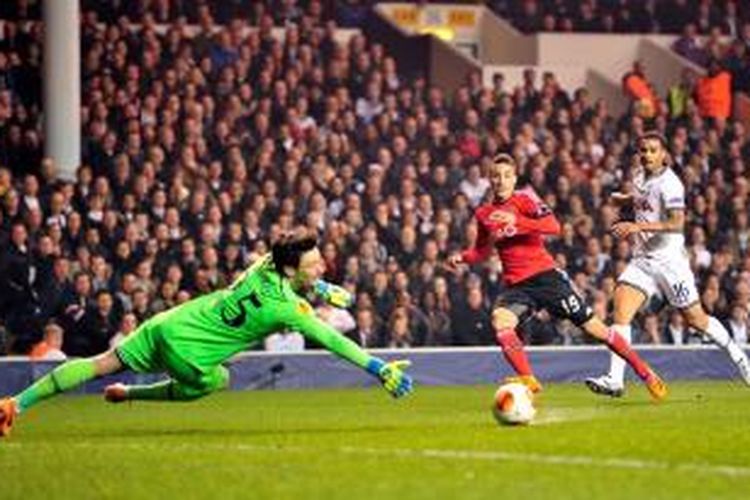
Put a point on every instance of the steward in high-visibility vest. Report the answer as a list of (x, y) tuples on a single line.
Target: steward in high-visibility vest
[(713, 93)]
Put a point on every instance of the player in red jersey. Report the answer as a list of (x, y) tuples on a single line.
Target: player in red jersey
[(514, 224)]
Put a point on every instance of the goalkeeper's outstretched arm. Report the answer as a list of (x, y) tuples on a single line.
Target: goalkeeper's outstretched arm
[(301, 317)]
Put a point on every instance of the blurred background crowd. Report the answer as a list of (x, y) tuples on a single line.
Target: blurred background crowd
[(206, 136)]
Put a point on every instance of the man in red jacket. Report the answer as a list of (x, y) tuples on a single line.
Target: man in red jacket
[(514, 224)]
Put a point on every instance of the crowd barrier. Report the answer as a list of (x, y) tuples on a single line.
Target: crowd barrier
[(430, 366)]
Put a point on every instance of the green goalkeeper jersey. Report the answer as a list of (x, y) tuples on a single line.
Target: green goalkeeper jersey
[(209, 329)]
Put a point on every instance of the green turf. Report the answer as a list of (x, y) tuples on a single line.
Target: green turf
[(440, 443)]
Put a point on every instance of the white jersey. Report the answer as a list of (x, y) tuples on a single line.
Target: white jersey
[(652, 200)]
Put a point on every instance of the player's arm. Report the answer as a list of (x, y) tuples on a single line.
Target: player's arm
[(620, 199), (481, 249), (547, 224), (535, 216), (675, 223), (673, 199), (479, 252), (301, 317)]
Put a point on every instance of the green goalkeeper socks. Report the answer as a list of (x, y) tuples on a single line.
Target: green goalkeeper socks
[(214, 380), (63, 378), (167, 390), (160, 391)]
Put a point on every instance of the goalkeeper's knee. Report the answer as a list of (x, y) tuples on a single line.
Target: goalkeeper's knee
[(213, 381)]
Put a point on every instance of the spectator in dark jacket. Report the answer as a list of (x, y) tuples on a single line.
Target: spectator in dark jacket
[(471, 321)]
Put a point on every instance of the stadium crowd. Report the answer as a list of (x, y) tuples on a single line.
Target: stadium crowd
[(201, 148), (729, 17)]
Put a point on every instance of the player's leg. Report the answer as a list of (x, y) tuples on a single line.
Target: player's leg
[(187, 381), (696, 317), (678, 285), (621, 348), (511, 309), (65, 377), (171, 389), (635, 285), (628, 299)]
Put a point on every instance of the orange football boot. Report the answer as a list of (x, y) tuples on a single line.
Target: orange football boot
[(656, 386), (529, 381), (8, 412)]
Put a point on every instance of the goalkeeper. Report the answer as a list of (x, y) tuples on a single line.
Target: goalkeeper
[(190, 342)]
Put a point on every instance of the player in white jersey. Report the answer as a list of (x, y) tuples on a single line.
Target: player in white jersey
[(660, 264)]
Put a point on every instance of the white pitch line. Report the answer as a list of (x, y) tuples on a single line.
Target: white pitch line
[(575, 460), (451, 454)]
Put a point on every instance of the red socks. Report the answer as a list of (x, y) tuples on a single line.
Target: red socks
[(621, 347), (513, 350)]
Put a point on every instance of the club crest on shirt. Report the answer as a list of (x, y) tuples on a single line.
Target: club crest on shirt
[(304, 307), (642, 204)]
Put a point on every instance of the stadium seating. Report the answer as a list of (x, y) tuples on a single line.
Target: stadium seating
[(214, 128)]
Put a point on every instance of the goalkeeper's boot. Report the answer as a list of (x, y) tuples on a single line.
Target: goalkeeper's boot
[(605, 386), (116, 393), (530, 381), (656, 386), (8, 412)]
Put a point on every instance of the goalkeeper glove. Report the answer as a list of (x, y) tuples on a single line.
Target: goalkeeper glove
[(335, 295), (392, 376)]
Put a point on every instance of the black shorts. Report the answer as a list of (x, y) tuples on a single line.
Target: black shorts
[(551, 290)]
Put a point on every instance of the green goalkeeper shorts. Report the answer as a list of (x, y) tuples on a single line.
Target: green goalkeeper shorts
[(147, 351)]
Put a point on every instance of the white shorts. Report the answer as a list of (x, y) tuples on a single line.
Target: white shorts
[(668, 278)]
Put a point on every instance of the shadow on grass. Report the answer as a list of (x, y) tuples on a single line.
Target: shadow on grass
[(128, 432)]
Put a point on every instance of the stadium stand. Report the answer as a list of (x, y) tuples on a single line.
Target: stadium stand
[(624, 16), (208, 132)]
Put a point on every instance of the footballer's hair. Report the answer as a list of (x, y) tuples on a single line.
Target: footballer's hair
[(288, 250), (504, 158), (651, 135), (657, 136)]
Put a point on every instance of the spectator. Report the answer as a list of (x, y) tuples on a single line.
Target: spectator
[(20, 301), (738, 324), (438, 320), (368, 331), (189, 172), (284, 342), (77, 299), (474, 186), (52, 292), (675, 332), (471, 320), (128, 324), (399, 328), (97, 326), (680, 94), (340, 319), (50, 347), (689, 45), (638, 89), (651, 333), (714, 93)]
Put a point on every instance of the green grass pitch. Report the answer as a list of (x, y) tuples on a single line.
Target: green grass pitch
[(360, 444)]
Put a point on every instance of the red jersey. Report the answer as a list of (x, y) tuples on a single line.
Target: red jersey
[(516, 229)]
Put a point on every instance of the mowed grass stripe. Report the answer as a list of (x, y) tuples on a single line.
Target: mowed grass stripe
[(416, 453)]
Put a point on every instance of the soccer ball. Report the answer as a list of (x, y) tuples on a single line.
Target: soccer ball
[(514, 404)]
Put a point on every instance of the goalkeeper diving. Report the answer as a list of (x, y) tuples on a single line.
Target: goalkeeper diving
[(191, 341)]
